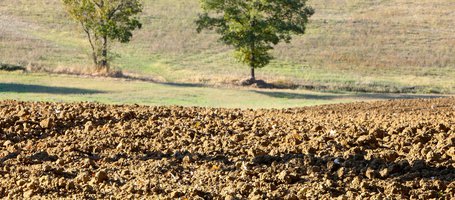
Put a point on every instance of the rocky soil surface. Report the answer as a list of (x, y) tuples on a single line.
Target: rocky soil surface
[(398, 149)]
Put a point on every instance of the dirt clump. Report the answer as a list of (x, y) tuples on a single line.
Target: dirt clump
[(400, 149)]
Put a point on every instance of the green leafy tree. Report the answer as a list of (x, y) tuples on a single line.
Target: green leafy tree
[(105, 21), (253, 27)]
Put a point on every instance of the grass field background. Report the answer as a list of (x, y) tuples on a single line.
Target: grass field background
[(378, 45), (384, 46)]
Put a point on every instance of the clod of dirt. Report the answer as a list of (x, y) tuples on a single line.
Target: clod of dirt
[(384, 172), (47, 168), (59, 162), (28, 194), (83, 177), (46, 123), (23, 113), (389, 155), (176, 194), (7, 143), (367, 140), (284, 177), (88, 126), (451, 152), (370, 173), (101, 176)]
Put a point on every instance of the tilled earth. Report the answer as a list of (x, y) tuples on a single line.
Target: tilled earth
[(382, 150)]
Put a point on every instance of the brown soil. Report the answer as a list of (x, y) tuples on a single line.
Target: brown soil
[(395, 149)]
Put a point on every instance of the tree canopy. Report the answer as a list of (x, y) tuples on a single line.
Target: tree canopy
[(104, 21), (253, 27)]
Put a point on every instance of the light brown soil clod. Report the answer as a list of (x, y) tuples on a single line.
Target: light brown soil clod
[(395, 149)]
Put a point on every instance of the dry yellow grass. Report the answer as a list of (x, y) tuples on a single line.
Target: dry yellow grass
[(377, 45)]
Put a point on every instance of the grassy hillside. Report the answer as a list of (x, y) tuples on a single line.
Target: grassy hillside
[(377, 45)]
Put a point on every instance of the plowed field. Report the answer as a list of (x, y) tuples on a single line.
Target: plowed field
[(397, 149)]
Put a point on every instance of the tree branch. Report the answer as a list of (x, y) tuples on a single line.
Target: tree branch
[(111, 14), (89, 36)]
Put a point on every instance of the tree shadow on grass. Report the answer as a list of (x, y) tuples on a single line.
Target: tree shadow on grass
[(290, 95), (184, 84), (151, 80), (10, 68), (384, 96), (25, 88)]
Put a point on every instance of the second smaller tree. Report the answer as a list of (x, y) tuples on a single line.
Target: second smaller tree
[(253, 27), (104, 21)]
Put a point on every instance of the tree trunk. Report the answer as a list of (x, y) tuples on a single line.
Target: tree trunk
[(253, 48), (253, 77), (103, 65), (253, 60), (94, 57)]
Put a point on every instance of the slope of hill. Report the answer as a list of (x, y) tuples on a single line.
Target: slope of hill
[(379, 45)]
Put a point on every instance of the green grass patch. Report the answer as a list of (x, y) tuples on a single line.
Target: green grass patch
[(63, 88)]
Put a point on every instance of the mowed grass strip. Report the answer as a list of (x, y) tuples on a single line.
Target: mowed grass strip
[(63, 88)]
